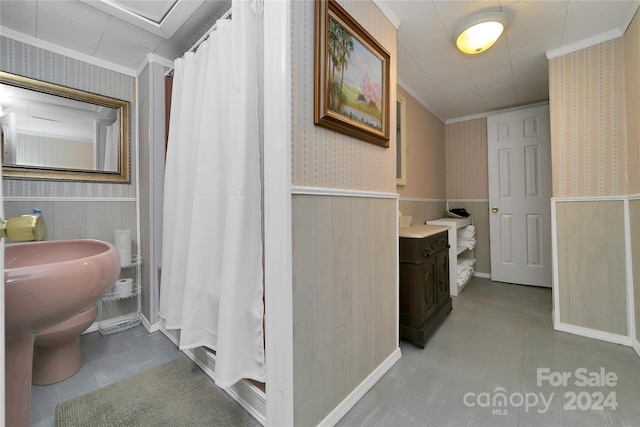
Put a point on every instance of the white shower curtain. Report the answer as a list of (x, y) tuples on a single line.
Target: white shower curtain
[(111, 148), (212, 286)]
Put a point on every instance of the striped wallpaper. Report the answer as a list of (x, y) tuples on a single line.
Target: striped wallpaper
[(632, 103), (321, 157), (425, 135), (466, 160), (588, 130), (26, 60)]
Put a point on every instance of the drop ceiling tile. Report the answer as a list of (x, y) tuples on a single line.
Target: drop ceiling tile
[(131, 58), (421, 26), (405, 60), (611, 4), (499, 101), (198, 24), (162, 20), (428, 87), (548, 32), (496, 79), (123, 33), (406, 8), (496, 90), (443, 78), (534, 55), (71, 20), (529, 88), (73, 44), (414, 75), (528, 95), (534, 74), (465, 90), (440, 103), (450, 61), (489, 64), (438, 45), (525, 13), (453, 13), (128, 41), (154, 11), (449, 114), (590, 20), (470, 109), (19, 16)]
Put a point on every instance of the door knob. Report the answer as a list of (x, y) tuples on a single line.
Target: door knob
[(494, 209), (23, 228)]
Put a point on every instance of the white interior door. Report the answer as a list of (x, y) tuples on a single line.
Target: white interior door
[(2, 375), (519, 146)]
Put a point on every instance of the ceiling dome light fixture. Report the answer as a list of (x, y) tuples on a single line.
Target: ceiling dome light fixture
[(480, 32)]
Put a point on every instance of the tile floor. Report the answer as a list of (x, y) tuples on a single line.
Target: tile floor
[(107, 360), (497, 336)]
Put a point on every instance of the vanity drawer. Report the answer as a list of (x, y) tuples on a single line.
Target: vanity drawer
[(416, 250)]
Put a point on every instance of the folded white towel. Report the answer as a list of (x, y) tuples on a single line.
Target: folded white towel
[(467, 244), (466, 268), (466, 262)]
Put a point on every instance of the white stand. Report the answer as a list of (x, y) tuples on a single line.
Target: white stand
[(454, 250), (116, 300)]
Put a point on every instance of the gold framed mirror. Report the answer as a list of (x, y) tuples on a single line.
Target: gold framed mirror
[(53, 132)]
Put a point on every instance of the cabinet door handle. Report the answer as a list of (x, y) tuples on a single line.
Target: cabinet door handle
[(426, 251)]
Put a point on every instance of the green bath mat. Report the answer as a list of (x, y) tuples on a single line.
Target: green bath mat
[(175, 394)]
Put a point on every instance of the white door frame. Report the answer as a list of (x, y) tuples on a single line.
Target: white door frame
[(2, 337), (278, 279)]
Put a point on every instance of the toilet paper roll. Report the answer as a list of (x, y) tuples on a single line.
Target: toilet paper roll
[(123, 288), (123, 245)]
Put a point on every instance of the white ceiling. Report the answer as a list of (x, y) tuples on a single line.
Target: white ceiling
[(99, 29), (515, 70), (451, 84)]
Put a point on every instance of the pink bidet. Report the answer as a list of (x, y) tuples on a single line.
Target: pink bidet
[(47, 283)]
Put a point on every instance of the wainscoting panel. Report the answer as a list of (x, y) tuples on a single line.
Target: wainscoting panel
[(634, 216), (591, 265), (345, 297)]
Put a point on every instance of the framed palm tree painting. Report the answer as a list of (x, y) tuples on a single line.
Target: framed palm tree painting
[(351, 77)]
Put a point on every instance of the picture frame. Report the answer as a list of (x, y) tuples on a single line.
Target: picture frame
[(351, 77)]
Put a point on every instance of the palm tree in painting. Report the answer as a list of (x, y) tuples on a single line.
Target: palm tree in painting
[(346, 47), (333, 44), (340, 48)]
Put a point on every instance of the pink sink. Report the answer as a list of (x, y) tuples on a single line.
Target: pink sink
[(45, 284)]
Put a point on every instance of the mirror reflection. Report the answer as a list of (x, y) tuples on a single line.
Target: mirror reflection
[(50, 131)]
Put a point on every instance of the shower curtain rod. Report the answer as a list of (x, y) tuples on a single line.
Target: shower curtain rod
[(226, 15)]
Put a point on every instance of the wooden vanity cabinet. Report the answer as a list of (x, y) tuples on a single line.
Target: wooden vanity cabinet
[(425, 300)]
